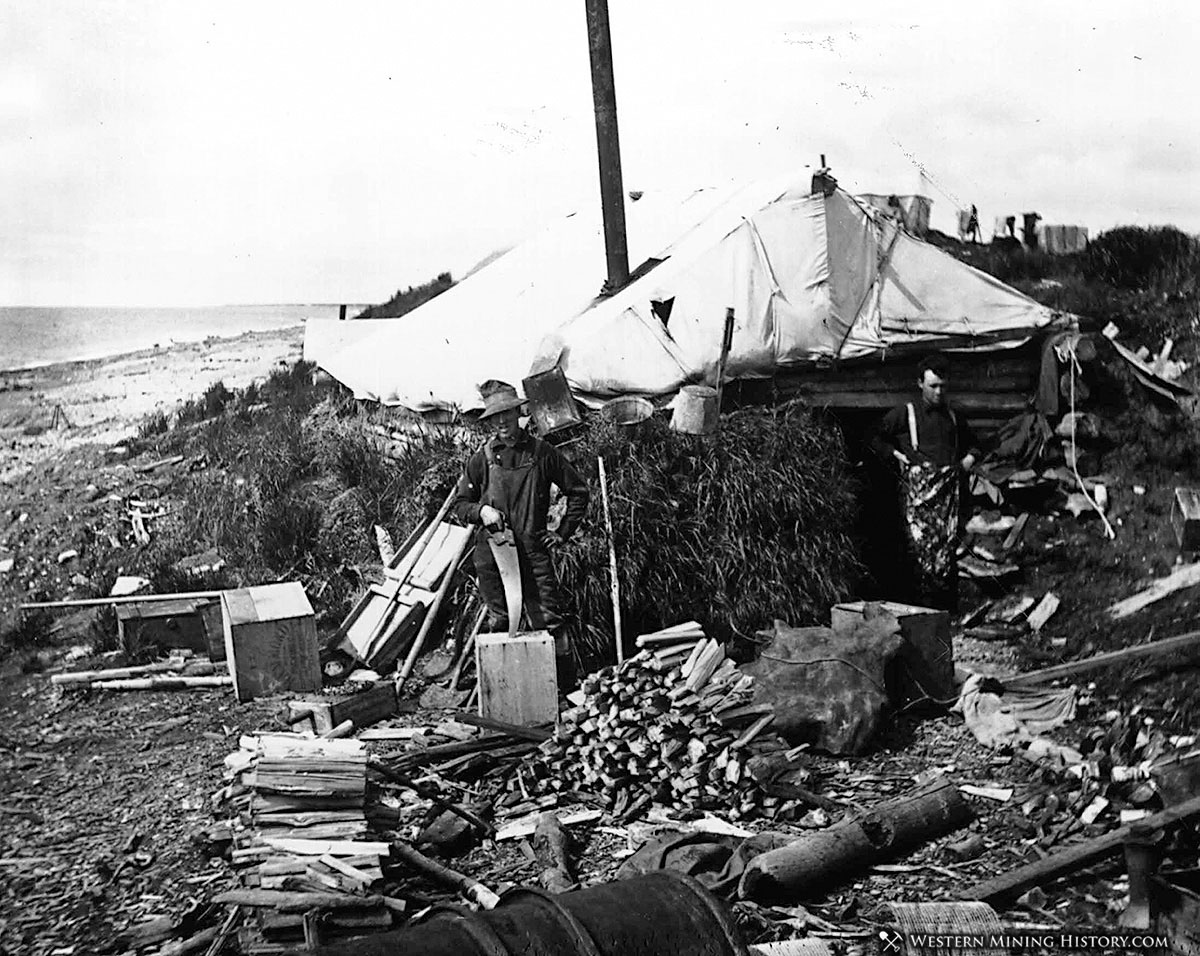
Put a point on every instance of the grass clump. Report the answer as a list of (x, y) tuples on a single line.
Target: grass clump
[(732, 531)]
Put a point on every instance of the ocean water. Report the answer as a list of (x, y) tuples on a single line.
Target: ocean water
[(39, 336)]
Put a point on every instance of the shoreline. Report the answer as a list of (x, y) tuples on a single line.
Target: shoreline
[(102, 400)]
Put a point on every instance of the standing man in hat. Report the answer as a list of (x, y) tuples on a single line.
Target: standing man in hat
[(934, 448), (506, 484)]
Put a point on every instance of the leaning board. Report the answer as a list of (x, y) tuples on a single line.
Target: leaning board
[(517, 681)]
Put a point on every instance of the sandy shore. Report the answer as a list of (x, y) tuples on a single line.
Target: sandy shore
[(103, 400)]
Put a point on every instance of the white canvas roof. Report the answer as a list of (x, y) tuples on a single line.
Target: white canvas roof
[(809, 277)]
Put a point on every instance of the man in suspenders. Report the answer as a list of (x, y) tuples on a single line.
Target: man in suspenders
[(933, 447), (506, 484)]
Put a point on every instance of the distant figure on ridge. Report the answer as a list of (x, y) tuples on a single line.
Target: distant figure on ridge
[(973, 225)]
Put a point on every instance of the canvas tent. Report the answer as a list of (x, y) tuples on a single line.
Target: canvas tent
[(810, 277)]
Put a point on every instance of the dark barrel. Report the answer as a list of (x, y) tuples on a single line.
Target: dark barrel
[(655, 914)]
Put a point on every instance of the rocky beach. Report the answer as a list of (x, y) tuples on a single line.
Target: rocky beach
[(53, 408)]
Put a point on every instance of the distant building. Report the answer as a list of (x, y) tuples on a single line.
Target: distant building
[(912, 211)]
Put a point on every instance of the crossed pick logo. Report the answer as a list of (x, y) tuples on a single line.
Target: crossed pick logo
[(890, 943)]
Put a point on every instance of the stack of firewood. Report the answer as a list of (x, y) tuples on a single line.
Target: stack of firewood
[(670, 725), (300, 837)]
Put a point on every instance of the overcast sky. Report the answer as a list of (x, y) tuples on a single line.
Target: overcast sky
[(163, 152)]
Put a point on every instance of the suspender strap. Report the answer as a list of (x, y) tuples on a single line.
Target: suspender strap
[(912, 426)]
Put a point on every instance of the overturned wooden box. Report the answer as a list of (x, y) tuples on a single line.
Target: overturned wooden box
[(1185, 518), (927, 659), (517, 680), (271, 640)]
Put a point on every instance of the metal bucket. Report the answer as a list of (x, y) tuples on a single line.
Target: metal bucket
[(695, 410), (660, 912), (627, 410)]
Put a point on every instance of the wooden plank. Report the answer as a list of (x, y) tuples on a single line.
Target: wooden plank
[(1014, 535), (1125, 655), (536, 734), (1185, 577), (1009, 885), (517, 680)]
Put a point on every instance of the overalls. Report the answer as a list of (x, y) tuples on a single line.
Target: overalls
[(518, 494), (929, 499)]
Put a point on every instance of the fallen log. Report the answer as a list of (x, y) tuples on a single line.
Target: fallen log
[(1012, 884), (472, 889), (118, 673), (294, 901), (817, 860), (550, 843), (163, 683), (1123, 656)]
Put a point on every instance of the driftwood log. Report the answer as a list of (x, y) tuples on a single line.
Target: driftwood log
[(550, 842), (817, 860)]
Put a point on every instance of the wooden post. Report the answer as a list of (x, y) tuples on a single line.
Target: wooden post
[(612, 563), (608, 145), (726, 344)]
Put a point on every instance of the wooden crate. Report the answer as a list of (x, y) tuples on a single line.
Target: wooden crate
[(271, 640), (517, 679), (365, 708), (170, 624), (1185, 518), (927, 657)]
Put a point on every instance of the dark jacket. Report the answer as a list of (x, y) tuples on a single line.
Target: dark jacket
[(944, 437), (524, 501)]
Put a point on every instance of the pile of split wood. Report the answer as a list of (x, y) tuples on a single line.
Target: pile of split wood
[(671, 725), (300, 839)]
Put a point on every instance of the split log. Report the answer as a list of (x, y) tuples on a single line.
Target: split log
[(550, 842), (471, 889), (1008, 886), (817, 860)]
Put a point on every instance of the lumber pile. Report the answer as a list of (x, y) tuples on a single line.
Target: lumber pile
[(300, 841), (670, 725)]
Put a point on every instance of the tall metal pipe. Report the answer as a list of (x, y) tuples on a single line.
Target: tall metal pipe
[(608, 145)]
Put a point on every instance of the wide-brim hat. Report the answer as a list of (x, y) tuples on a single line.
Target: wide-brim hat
[(498, 397)]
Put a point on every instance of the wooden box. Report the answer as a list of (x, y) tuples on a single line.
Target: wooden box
[(365, 708), (271, 640), (171, 624), (1185, 518), (517, 679), (927, 658)]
